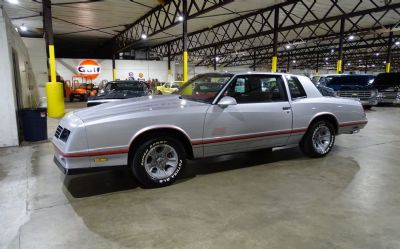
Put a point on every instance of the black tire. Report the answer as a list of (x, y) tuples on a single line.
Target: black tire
[(84, 97), (159, 93), (71, 98), (307, 144), (139, 156), (367, 107)]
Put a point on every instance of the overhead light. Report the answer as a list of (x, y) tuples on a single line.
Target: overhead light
[(373, 65), (377, 54), (384, 62), (180, 18), (326, 58), (294, 61), (217, 58), (144, 36), (332, 51), (16, 29), (287, 46), (397, 43), (13, 1), (348, 64), (351, 37), (23, 28)]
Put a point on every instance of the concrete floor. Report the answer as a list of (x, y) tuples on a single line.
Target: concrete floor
[(350, 199)]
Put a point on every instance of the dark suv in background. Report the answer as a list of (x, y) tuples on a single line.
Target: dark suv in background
[(388, 85), (355, 86)]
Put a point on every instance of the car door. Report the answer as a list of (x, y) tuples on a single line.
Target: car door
[(262, 117)]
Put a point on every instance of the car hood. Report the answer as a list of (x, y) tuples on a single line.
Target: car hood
[(119, 95), (350, 87), (165, 103)]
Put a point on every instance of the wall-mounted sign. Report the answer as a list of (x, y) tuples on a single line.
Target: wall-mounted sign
[(89, 69)]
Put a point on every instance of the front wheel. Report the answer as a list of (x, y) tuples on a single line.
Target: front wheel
[(319, 139), (158, 160)]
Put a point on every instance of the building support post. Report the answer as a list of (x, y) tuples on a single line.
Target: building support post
[(185, 42), (169, 60), (275, 44), (366, 64), (288, 62), (215, 59), (114, 70), (54, 89), (317, 68), (389, 52), (339, 65), (254, 61)]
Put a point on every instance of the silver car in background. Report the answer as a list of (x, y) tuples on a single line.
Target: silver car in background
[(212, 114)]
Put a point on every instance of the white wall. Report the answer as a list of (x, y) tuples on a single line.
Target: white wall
[(38, 57), (66, 68), (10, 42)]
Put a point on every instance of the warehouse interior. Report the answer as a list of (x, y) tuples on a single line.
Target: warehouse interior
[(275, 198)]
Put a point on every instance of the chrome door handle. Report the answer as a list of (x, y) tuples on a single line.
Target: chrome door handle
[(286, 108)]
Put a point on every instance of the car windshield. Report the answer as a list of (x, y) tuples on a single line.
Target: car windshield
[(360, 80), (204, 87), (126, 86)]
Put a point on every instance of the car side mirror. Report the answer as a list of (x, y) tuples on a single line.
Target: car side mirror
[(227, 101)]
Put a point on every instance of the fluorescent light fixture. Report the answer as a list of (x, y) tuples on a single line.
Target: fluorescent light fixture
[(373, 65), (23, 28), (13, 1), (326, 58), (294, 61), (217, 58), (287, 46), (348, 64), (397, 43), (332, 51), (351, 37), (144, 36), (180, 18), (377, 54)]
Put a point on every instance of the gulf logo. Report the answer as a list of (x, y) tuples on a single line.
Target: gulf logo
[(89, 69)]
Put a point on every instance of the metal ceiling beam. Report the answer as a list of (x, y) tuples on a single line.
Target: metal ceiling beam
[(259, 24), (161, 18)]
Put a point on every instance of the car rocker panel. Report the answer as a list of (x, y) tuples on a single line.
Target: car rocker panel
[(103, 136)]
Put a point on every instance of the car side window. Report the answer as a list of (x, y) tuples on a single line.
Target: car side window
[(174, 85), (107, 88), (295, 88), (257, 89)]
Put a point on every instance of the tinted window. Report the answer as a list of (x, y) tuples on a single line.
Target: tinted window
[(295, 88), (127, 86), (174, 85), (361, 80), (387, 80), (257, 88)]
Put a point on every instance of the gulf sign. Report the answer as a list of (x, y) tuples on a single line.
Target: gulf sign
[(89, 69)]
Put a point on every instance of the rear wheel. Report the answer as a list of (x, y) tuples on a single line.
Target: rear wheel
[(319, 139), (158, 160), (71, 98)]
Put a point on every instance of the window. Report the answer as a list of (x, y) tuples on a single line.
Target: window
[(257, 88), (295, 88), (174, 85), (204, 87)]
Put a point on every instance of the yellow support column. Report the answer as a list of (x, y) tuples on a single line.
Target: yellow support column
[(387, 68), (54, 89), (185, 66), (114, 74), (339, 67), (274, 64)]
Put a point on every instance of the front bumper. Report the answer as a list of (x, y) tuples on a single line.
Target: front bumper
[(77, 171), (369, 102)]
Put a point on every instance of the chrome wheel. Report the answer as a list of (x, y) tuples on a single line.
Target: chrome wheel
[(321, 139), (161, 161)]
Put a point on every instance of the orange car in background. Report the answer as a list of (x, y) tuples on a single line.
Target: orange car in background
[(80, 89)]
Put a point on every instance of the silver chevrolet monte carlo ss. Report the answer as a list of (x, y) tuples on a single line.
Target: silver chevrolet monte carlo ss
[(212, 114)]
